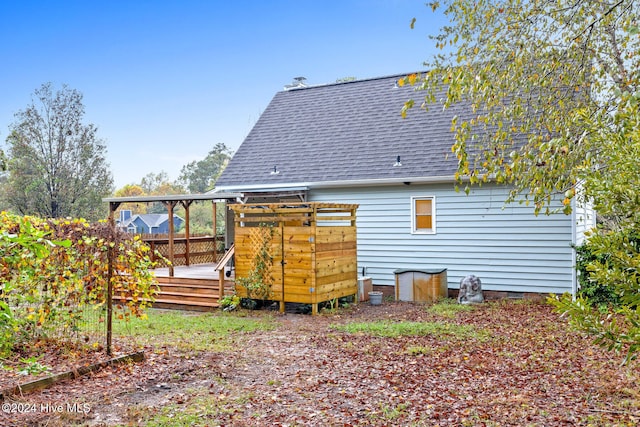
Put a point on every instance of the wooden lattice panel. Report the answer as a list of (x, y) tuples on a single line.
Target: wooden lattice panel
[(255, 258), (260, 241), (201, 250)]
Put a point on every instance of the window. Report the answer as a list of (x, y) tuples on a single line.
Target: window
[(423, 215)]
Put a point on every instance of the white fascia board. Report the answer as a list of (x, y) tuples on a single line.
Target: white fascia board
[(218, 196), (334, 184)]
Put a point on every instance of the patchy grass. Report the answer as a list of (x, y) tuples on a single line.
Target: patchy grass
[(396, 364), (192, 331), (391, 329), (194, 408), (449, 308), (418, 350), (389, 413)]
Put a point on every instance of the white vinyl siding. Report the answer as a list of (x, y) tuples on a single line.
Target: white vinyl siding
[(585, 219), (508, 247)]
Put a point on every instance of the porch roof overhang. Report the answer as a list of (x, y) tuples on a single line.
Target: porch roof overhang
[(216, 197)]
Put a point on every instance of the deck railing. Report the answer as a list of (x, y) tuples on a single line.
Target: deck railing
[(194, 250)]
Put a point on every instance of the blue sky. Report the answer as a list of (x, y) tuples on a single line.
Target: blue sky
[(165, 81)]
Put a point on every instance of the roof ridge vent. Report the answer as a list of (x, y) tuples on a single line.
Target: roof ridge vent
[(298, 83)]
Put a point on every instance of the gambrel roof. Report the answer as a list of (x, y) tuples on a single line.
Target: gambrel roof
[(342, 133)]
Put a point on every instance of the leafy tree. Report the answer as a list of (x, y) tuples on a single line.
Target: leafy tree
[(554, 88), (19, 249), (614, 267), (197, 176), (201, 216), (159, 184), (152, 181), (200, 176), (53, 270), (168, 188), (56, 163), (3, 161), (131, 190), (3, 175), (532, 71)]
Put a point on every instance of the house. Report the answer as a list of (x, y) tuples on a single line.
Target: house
[(146, 223), (347, 143)]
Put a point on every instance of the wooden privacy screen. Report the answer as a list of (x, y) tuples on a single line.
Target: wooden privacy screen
[(312, 249)]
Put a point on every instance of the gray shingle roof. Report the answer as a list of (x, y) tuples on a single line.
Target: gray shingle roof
[(343, 132), (152, 220)]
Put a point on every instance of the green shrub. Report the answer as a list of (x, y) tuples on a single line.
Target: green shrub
[(52, 270), (598, 294), (229, 302)]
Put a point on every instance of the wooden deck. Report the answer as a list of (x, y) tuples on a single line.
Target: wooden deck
[(197, 271), (196, 287)]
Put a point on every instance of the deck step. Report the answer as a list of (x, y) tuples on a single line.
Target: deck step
[(190, 293), (227, 284), (186, 298), (178, 301), (203, 290), (185, 307), (187, 281), (201, 293), (181, 304)]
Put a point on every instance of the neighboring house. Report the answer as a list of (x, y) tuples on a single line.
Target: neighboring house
[(346, 142), (147, 223)]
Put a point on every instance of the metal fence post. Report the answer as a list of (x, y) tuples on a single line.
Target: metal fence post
[(110, 255), (109, 300)]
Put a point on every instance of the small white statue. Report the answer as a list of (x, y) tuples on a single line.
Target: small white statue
[(470, 290)]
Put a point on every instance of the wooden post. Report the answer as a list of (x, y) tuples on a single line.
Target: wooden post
[(282, 263), (186, 204), (215, 231), (152, 244), (221, 273), (314, 234), (221, 270), (170, 205)]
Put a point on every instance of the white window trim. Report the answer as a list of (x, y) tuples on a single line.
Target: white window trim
[(413, 214)]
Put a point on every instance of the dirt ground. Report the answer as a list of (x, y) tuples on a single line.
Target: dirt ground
[(523, 368)]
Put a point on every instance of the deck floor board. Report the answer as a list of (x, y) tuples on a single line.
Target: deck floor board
[(195, 271)]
